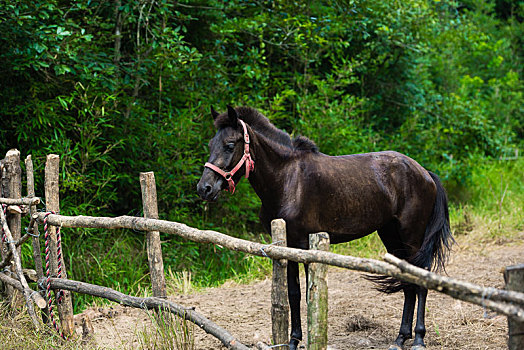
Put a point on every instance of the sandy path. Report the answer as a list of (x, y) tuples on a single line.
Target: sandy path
[(359, 317)]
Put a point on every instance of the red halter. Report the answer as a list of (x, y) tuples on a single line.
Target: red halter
[(246, 158)]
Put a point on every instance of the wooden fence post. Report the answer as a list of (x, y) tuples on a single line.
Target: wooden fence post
[(52, 200), (317, 294), (279, 299), (32, 210), (17, 264), (37, 257), (13, 189), (154, 249), (5, 289), (514, 278)]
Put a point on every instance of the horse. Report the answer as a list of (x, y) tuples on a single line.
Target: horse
[(348, 196)]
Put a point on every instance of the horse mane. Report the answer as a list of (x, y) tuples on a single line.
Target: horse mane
[(302, 143), (260, 123)]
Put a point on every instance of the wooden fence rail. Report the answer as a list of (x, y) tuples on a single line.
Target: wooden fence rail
[(509, 303), (151, 303), (20, 201)]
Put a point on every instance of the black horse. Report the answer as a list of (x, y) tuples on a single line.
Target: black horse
[(347, 196)]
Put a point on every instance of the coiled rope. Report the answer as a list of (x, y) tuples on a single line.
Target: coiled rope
[(48, 270)]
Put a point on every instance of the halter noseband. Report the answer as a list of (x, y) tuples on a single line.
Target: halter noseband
[(246, 158)]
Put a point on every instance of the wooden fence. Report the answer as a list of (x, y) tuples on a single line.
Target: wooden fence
[(507, 302)]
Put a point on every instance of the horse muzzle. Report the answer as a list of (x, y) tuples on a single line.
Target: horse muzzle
[(208, 190)]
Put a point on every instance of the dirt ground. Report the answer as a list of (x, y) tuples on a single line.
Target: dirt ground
[(359, 316)]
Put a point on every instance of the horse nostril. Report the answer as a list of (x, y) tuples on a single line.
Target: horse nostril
[(207, 189)]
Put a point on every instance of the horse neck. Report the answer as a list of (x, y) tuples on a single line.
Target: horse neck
[(271, 161)]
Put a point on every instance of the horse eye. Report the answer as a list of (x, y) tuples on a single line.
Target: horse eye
[(230, 146)]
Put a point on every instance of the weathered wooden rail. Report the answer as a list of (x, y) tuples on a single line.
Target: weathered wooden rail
[(507, 302), (394, 267)]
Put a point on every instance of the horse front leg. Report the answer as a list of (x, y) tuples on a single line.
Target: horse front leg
[(294, 296)]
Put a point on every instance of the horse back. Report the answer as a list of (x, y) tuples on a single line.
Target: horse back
[(352, 196)]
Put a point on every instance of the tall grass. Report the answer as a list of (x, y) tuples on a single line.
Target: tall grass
[(112, 258), (492, 205), (366, 247), (168, 333), (210, 264)]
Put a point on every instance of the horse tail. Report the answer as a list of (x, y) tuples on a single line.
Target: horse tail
[(434, 251)]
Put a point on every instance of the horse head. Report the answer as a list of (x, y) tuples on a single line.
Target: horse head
[(228, 154)]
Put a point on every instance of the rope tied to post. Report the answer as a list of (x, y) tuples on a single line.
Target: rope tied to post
[(267, 246), (30, 231), (59, 294), (486, 295)]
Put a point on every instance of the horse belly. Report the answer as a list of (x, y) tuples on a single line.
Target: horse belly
[(352, 216), (336, 238)]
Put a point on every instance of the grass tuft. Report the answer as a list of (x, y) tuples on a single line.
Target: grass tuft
[(17, 332), (169, 332)]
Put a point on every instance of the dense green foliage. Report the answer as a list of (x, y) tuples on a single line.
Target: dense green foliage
[(118, 87)]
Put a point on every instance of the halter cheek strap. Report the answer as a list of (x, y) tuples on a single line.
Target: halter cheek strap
[(246, 158)]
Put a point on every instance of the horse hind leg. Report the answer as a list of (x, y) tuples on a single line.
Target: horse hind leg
[(406, 325), (420, 328), (390, 236), (411, 293)]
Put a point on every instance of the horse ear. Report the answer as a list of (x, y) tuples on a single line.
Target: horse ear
[(233, 116), (214, 113)]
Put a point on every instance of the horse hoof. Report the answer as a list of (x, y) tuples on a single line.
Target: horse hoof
[(293, 344), (418, 347), (395, 347)]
